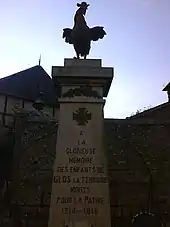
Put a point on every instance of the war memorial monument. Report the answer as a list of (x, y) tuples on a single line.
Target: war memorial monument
[(80, 191), (62, 164)]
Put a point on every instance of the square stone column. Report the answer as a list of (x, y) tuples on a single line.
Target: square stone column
[(80, 191)]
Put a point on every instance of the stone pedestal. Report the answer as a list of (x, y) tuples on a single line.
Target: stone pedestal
[(80, 192)]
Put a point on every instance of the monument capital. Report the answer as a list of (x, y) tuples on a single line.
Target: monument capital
[(83, 72)]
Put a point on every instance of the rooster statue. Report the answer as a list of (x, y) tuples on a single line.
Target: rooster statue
[(81, 35)]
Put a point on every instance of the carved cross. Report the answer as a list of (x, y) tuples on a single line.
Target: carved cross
[(82, 116)]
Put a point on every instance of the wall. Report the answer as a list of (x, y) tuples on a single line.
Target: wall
[(160, 112), (139, 169), (28, 198)]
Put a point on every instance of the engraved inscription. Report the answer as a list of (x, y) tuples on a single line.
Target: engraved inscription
[(80, 174)]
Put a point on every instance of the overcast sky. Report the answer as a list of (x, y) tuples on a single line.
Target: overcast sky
[(137, 44)]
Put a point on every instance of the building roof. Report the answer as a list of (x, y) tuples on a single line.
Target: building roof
[(149, 113), (167, 87), (28, 83)]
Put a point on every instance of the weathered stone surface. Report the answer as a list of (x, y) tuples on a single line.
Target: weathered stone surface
[(80, 192), (138, 162), (33, 158)]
